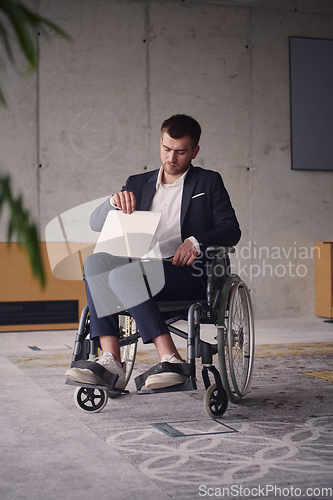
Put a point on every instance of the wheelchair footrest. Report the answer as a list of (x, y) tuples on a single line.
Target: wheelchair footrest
[(188, 385), (180, 368), (95, 386), (109, 378)]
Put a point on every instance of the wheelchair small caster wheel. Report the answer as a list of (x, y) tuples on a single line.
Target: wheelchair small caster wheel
[(91, 400), (215, 404)]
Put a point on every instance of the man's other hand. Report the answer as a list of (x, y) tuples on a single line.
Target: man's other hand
[(186, 254), (125, 201)]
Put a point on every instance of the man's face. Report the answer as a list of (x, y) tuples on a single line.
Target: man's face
[(177, 154)]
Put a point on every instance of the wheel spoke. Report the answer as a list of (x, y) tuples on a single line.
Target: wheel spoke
[(215, 403), (90, 399), (237, 341), (128, 352)]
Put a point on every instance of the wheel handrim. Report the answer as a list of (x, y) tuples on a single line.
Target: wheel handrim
[(127, 326), (240, 345)]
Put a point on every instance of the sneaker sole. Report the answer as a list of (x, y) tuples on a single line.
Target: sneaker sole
[(84, 377), (162, 380), (90, 378)]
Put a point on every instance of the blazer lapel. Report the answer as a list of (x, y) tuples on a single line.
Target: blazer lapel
[(148, 191), (189, 184)]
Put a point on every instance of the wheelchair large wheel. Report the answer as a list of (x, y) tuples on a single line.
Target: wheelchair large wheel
[(236, 338), (127, 327)]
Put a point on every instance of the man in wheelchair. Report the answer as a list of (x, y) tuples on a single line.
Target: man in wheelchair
[(196, 213)]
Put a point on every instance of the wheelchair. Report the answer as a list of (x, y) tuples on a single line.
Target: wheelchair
[(227, 305)]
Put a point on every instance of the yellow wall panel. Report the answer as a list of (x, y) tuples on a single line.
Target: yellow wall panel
[(324, 279), (17, 284)]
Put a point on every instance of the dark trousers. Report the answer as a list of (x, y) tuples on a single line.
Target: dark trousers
[(180, 283)]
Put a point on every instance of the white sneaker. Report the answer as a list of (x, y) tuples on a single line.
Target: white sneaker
[(166, 379), (85, 376)]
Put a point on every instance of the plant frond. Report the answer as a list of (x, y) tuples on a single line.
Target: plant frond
[(22, 227)]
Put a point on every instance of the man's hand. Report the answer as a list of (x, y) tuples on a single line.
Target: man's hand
[(185, 254), (125, 201)]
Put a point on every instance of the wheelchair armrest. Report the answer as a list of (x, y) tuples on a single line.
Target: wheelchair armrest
[(216, 249), (218, 255)]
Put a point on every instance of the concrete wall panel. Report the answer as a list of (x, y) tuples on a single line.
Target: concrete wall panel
[(290, 208), (18, 137), (98, 105), (93, 117), (200, 65)]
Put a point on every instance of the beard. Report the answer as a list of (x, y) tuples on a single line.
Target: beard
[(174, 169)]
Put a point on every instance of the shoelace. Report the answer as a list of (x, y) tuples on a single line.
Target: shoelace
[(106, 359)]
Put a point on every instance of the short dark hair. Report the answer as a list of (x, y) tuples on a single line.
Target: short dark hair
[(178, 126)]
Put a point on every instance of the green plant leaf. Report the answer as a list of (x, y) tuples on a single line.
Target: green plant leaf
[(41, 22), (3, 101), (5, 41), (23, 30), (22, 227), (26, 25)]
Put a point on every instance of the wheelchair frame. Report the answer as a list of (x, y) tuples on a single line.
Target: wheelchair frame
[(228, 306)]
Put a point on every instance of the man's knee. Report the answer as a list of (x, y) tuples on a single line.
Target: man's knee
[(100, 262), (89, 265), (128, 284)]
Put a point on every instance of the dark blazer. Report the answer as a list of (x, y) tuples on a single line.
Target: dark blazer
[(206, 210)]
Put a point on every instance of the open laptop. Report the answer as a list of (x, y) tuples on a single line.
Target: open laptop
[(129, 235)]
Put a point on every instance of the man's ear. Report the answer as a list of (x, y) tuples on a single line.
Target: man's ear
[(195, 152)]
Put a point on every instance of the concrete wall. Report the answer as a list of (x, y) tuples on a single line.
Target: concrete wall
[(91, 117)]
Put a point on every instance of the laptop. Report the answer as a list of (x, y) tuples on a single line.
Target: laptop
[(129, 235)]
